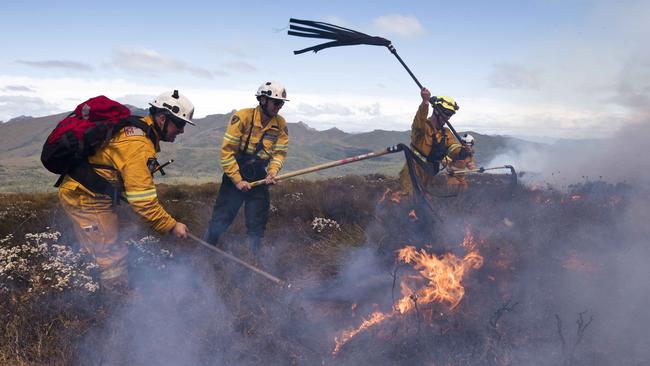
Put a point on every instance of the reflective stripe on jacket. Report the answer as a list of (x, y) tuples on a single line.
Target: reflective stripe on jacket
[(422, 134), (131, 152), (275, 142)]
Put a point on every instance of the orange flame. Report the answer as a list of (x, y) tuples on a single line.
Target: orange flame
[(383, 196), (395, 197), (440, 280)]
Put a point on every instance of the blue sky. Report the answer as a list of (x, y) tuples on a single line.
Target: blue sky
[(538, 68)]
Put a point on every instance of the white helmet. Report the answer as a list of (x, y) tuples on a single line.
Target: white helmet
[(272, 89), (179, 106), (467, 139)]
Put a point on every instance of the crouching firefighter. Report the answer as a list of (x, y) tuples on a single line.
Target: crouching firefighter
[(121, 168), (458, 183), (254, 147), (431, 144)]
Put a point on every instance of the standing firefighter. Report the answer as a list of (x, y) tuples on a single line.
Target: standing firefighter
[(457, 183), (254, 147), (431, 142), (127, 162)]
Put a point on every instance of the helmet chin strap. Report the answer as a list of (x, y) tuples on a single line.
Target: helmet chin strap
[(162, 133), (265, 107)]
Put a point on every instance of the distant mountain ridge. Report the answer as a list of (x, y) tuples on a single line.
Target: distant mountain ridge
[(196, 152)]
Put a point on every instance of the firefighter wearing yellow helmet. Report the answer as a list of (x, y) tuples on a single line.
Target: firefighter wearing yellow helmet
[(431, 142), (254, 147), (127, 162)]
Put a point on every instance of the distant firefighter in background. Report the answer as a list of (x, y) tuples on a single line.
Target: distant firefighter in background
[(457, 183)]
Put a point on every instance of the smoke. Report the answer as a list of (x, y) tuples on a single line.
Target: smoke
[(549, 256), (617, 158), (173, 317)]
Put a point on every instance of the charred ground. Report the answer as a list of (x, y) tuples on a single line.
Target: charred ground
[(563, 281)]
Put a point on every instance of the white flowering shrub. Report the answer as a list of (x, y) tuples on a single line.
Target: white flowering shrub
[(16, 210), (322, 224), (148, 251), (39, 265)]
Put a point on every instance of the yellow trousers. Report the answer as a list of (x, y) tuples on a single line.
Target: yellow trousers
[(96, 227)]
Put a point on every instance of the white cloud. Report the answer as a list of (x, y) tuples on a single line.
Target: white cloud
[(57, 64), (18, 88), (12, 106), (241, 66), (150, 62), (511, 76), (326, 109), (349, 112), (400, 25)]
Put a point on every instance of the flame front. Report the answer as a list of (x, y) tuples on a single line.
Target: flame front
[(439, 280), (442, 273)]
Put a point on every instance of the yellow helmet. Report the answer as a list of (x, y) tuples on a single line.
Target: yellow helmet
[(445, 105)]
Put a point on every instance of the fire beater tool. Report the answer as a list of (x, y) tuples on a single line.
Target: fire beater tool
[(513, 173), (239, 261), (341, 36)]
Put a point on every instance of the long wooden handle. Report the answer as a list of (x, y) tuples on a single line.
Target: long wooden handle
[(233, 258), (481, 170), (331, 164)]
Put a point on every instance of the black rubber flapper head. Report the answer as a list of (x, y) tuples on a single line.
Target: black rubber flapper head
[(339, 36)]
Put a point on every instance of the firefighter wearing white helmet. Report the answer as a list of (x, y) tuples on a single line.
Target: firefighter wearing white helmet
[(127, 162), (458, 183), (431, 142), (177, 109), (467, 139), (254, 147)]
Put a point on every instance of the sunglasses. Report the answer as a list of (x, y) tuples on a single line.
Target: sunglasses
[(179, 123), (277, 102)]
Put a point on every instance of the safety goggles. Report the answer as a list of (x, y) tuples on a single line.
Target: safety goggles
[(445, 112)]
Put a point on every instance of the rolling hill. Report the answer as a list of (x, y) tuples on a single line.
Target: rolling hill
[(196, 152)]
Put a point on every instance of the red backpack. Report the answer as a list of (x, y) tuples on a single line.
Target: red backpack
[(80, 135)]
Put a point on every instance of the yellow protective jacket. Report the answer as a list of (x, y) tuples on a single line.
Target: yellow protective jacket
[(276, 141), (466, 164), (132, 154), (423, 133)]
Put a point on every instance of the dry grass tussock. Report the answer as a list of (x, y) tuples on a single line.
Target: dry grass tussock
[(335, 241)]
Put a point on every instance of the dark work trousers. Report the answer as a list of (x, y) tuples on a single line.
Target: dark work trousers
[(256, 210)]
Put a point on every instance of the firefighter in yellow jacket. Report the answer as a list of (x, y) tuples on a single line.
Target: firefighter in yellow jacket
[(431, 142), (254, 147), (456, 180), (128, 162)]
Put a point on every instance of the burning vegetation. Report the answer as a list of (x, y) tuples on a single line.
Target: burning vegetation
[(438, 279), (497, 276)]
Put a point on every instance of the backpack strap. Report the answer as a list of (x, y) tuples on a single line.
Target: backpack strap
[(84, 172)]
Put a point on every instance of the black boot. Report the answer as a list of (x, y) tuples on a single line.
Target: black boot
[(255, 243)]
